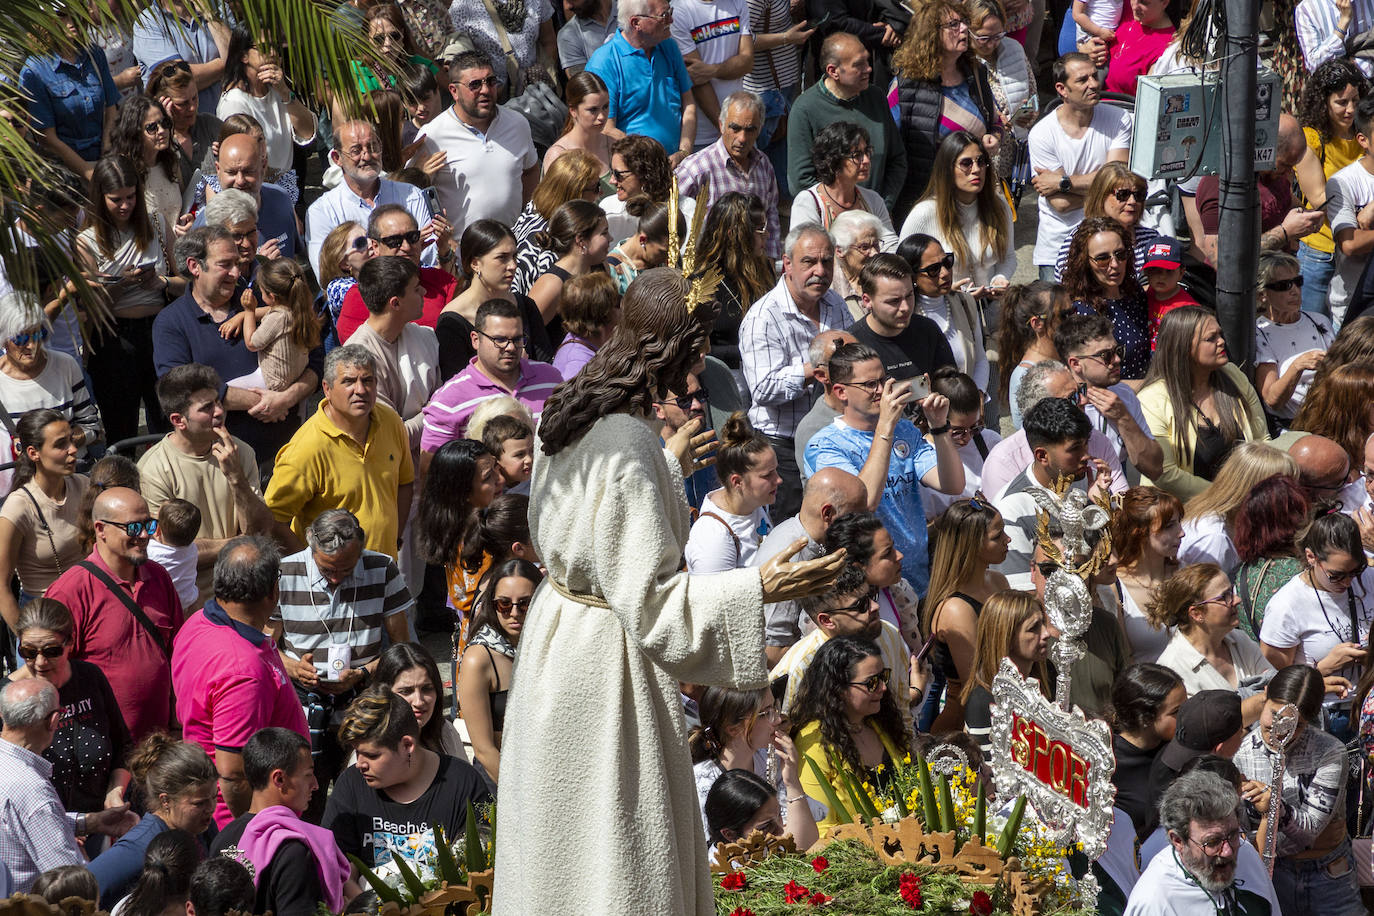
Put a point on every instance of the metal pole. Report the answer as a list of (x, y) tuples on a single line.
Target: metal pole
[(1238, 240)]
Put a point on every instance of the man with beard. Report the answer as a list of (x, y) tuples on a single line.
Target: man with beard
[(1057, 433), (353, 454), (239, 166), (775, 345), (125, 610), (591, 25), (358, 154), (848, 608), (1197, 873)]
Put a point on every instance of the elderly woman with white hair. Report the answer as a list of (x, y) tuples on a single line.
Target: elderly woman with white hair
[(237, 212), (858, 236)]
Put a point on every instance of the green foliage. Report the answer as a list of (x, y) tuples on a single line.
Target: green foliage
[(385, 892)]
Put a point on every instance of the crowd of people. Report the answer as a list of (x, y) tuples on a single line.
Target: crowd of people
[(277, 413)]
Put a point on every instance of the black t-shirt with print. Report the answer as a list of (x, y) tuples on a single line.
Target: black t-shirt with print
[(921, 347), (289, 885)]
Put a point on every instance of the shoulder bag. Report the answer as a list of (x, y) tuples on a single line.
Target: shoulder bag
[(139, 614)]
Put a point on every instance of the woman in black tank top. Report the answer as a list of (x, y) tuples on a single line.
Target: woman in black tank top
[(484, 670)]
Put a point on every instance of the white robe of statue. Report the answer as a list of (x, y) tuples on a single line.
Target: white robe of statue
[(598, 813)]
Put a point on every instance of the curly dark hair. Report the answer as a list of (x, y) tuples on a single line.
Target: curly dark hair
[(821, 699), (834, 144), (1322, 83), (645, 159), (653, 348), (1079, 278), (126, 139)]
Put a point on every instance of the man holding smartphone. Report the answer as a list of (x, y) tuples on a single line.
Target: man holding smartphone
[(873, 440)]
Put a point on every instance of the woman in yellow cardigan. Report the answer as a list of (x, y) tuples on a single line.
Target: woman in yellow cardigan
[(847, 719), (1198, 404)]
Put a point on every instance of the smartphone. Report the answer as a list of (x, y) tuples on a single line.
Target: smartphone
[(925, 650), (431, 196), (148, 265), (920, 387)]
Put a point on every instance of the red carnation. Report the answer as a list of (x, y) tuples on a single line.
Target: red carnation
[(735, 881), (981, 905), (909, 887), (818, 899), (794, 893), (820, 863), (741, 911)]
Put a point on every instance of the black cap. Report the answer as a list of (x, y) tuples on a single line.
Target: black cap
[(1206, 719)]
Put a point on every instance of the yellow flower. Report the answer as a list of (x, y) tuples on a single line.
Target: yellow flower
[(879, 769)]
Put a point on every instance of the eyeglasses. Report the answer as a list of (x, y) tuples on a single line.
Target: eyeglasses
[(955, 25), (153, 127), (1047, 568), (989, 39), (619, 175), (1343, 575), (490, 82), (1124, 194), (354, 152), (685, 401), (1225, 597), (772, 714), (504, 604), (504, 342), (1118, 256), (961, 431), (1108, 356), (873, 388), (395, 241), (397, 37), (859, 154), (23, 340), (249, 236), (968, 162), (875, 683), (145, 528), (667, 16), (1214, 847), (1283, 286), (29, 653), (933, 270)]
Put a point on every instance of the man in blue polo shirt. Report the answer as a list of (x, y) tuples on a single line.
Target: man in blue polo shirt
[(239, 166), (650, 91)]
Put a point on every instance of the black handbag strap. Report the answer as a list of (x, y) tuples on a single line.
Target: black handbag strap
[(139, 614)]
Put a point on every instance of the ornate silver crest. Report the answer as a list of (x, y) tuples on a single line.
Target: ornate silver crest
[(1283, 729)]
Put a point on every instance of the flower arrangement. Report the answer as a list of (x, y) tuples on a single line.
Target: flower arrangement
[(441, 873)]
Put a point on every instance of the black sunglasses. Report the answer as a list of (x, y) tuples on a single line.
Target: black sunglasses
[(152, 128), (685, 402), (933, 270), (29, 653), (395, 241), (1124, 194), (1283, 286)]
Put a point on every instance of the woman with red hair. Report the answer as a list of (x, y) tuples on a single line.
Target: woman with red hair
[(1146, 532), (1265, 526)]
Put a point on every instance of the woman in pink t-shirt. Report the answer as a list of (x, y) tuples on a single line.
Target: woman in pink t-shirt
[(1139, 43)]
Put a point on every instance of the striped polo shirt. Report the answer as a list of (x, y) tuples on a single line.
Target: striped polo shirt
[(448, 411), (315, 615)]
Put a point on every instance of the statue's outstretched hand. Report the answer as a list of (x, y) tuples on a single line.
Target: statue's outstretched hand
[(693, 449), (784, 581)]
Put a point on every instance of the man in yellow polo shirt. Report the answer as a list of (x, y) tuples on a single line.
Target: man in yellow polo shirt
[(352, 454)]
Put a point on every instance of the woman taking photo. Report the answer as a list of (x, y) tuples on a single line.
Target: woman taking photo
[(487, 249), (574, 176), (1012, 625), (143, 135), (485, 674), (1198, 405), (1101, 279), (639, 165), (1145, 702), (1289, 342), (410, 672), (1266, 526), (734, 519), (648, 247), (857, 235), (398, 780), (939, 87), (1025, 335), (40, 535), (91, 742), (1327, 114), (1314, 870), (732, 238), (969, 539), (588, 102), (1209, 524), (1119, 194), (579, 240), (126, 255), (344, 252), (1207, 651), (255, 85), (1146, 531), (964, 209), (846, 718), (180, 785), (842, 156)]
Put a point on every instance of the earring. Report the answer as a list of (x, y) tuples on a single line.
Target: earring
[(408, 755)]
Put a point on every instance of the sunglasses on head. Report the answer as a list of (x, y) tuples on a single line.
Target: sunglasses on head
[(396, 241), (1283, 286), (29, 653), (1124, 194), (933, 270)]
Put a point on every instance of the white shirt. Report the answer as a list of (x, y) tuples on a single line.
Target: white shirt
[(1108, 427), (1281, 344), (180, 563), (934, 502), (936, 308), (712, 28), (1198, 674), (483, 176), (1315, 22), (1103, 13), (1052, 149), (270, 112), (1206, 540), (340, 204), (1315, 621), (710, 547), (988, 263), (1164, 890), (1145, 639), (624, 225), (1347, 192)]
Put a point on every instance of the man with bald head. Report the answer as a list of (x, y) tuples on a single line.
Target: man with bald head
[(125, 609), (1323, 468), (826, 408), (358, 154), (829, 493), (239, 165)]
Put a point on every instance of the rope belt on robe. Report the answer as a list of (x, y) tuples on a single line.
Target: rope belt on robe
[(589, 600)]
